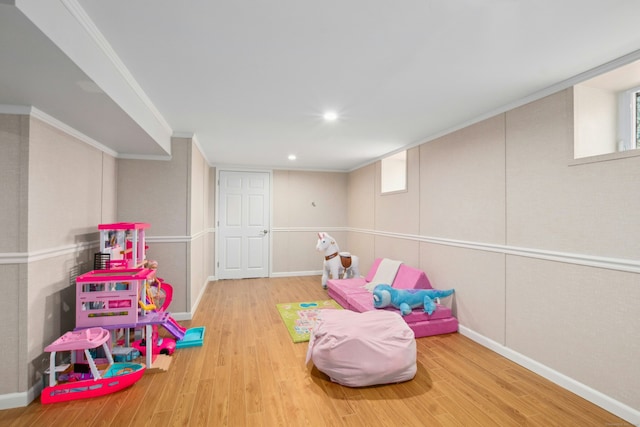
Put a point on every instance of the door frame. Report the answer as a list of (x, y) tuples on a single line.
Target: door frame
[(217, 215)]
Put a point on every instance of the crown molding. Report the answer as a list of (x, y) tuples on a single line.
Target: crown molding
[(144, 157)]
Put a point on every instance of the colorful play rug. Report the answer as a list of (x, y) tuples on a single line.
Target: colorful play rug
[(299, 317)]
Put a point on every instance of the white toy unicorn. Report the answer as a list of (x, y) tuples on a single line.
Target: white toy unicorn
[(344, 266)]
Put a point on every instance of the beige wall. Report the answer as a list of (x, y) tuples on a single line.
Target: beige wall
[(14, 328), (535, 245), (175, 198), (462, 184), (14, 171), (296, 221), (64, 209), (580, 321), (387, 206), (156, 191), (478, 279), (574, 209), (361, 194), (66, 191), (56, 190), (201, 255), (109, 190), (552, 204)]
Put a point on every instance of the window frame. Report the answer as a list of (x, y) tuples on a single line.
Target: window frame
[(394, 173), (629, 119)]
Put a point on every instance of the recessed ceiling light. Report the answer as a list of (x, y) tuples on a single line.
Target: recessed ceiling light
[(292, 157), (330, 116)]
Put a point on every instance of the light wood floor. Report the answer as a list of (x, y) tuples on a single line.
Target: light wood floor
[(250, 373)]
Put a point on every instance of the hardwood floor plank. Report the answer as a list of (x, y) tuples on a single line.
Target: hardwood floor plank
[(422, 402), (202, 403), (252, 388), (296, 406), (19, 417), (148, 407), (181, 414), (272, 406), (481, 392), (237, 403), (487, 384), (339, 399), (219, 415), (161, 418)]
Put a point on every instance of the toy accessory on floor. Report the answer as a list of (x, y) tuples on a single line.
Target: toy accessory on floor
[(340, 265)]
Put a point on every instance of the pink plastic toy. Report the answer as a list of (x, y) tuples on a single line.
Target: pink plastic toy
[(159, 345), (71, 382), (110, 297), (124, 240)]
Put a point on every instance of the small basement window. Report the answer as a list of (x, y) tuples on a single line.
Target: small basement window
[(607, 114), (393, 176)]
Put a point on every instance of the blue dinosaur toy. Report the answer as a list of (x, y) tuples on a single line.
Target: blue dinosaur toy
[(406, 299)]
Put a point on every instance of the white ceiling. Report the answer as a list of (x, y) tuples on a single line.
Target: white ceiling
[(250, 80)]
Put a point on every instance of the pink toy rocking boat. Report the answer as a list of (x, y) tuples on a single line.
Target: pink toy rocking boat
[(84, 380)]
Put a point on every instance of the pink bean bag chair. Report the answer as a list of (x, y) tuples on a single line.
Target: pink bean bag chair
[(363, 349)]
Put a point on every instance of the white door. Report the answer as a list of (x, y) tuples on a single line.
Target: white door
[(243, 224)]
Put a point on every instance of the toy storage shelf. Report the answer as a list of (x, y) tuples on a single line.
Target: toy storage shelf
[(110, 297)]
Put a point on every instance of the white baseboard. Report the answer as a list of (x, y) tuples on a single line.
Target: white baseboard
[(296, 273), (14, 400), (182, 316), (594, 396), (19, 400)]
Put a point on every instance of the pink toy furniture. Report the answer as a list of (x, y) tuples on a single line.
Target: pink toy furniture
[(351, 294), (67, 382), (124, 240), (110, 297)]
